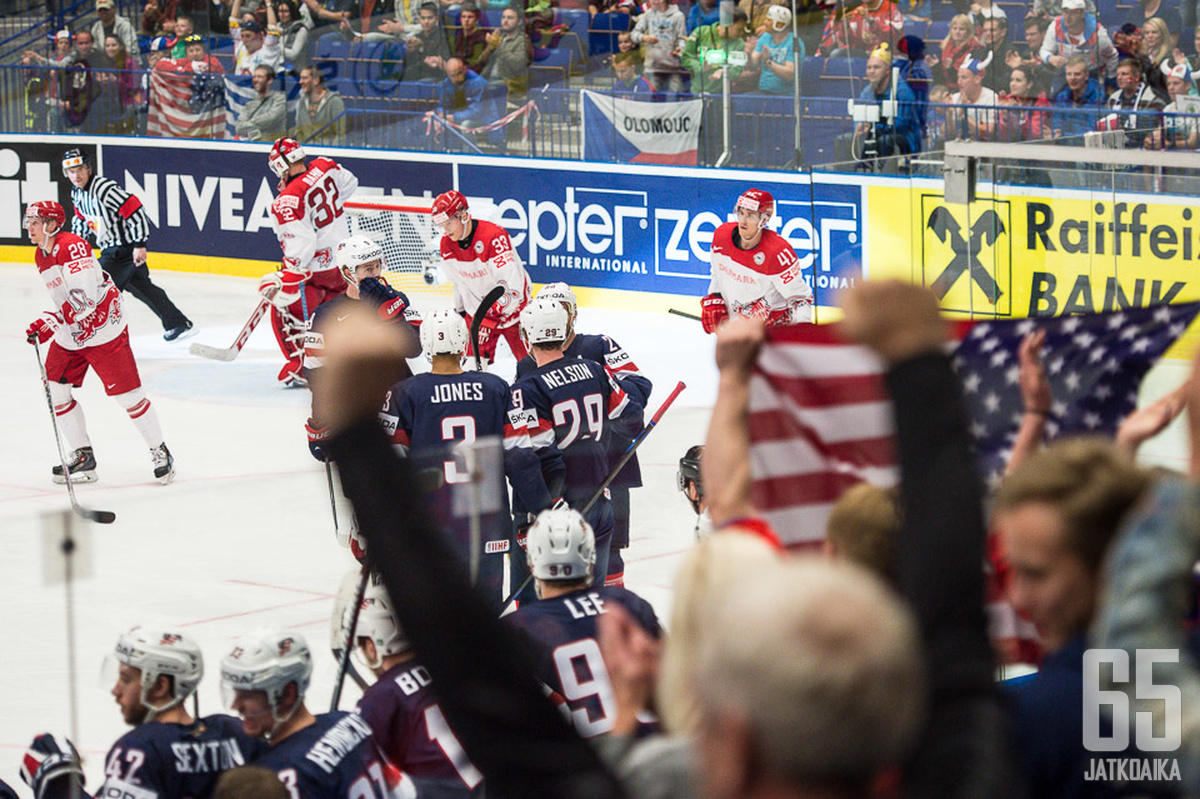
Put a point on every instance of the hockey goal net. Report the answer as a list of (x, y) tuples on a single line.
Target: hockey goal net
[(403, 227)]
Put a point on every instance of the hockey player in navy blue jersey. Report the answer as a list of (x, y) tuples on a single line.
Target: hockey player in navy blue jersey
[(606, 352), (361, 263), (574, 405), (561, 624), (327, 756), (429, 413), (167, 754), (405, 719)]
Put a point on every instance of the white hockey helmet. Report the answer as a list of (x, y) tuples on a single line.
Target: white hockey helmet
[(561, 546), (545, 320), (561, 292), (779, 18), (443, 332), (157, 652), (356, 251), (284, 152), (267, 661), (377, 621)]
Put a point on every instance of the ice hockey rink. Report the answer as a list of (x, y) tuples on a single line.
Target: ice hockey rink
[(243, 537)]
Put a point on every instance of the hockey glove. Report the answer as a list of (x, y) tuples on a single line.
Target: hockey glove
[(780, 317), (389, 303), (47, 759), (317, 436), (42, 329), (281, 288), (487, 329), (713, 312)]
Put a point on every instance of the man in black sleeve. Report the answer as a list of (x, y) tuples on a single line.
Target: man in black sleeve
[(117, 222)]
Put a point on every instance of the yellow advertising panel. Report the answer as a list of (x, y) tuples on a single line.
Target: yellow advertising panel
[(1018, 255)]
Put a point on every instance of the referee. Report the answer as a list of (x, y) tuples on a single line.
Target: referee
[(117, 221)]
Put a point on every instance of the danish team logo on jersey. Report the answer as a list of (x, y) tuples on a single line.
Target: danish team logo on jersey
[(479, 247), (759, 258)]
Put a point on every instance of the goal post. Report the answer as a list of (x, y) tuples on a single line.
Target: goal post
[(404, 229)]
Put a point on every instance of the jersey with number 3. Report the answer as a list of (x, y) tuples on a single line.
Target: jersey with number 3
[(158, 760), (760, 280), (571, 404), (478, 264), (413, 734), (562, 632), (73, 276), (334, 758), (309, 218)]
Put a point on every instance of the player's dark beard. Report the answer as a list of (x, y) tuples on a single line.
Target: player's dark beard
[(137, 715)]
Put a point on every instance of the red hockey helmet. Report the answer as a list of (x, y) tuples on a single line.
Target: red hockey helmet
[(46, 209), (447, 204), (284, 153), (759, 201)]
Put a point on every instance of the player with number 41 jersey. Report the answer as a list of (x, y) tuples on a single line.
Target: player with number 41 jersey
[(755, 272)]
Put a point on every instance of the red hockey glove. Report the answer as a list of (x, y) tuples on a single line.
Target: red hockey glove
[(713, 312), (316, 439), (486, 328), (780, 317), (43, 327)]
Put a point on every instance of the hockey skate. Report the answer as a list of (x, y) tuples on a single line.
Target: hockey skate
[(164, 464), (181, 331), (81, 465)]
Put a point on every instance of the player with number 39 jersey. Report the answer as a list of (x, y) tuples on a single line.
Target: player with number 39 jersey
[(755, 272)]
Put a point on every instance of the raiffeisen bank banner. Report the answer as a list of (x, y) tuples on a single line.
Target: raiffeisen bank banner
[(635, 228)]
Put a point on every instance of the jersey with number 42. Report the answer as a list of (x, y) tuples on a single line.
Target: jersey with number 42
[(160, 760), (309, 217), (562, 631), (335, 758), (73, 275), (755, 282), (413, 734)]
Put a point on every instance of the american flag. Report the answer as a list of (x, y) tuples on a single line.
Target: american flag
[(184, 104), (820, 419)]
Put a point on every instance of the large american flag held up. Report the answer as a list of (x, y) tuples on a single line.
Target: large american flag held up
[(186, 105), (821, 421)]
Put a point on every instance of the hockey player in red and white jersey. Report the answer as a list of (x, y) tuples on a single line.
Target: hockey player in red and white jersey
[(309, 218), (755, 272), (478, 256), (88, 329)]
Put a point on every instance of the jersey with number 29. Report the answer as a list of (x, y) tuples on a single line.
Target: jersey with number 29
[(309, 218)]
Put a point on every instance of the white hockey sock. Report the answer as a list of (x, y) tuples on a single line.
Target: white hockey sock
[(137, 405), (69, 415)]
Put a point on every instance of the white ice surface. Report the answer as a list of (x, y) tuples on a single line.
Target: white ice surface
[(244, 536)]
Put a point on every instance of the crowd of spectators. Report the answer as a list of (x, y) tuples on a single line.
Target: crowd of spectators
[(1057, 71)]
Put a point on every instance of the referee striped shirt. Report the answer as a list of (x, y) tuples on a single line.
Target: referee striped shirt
[(107, 213)]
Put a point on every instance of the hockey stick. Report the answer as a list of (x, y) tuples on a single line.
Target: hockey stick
[(485, 305), (348, 639), (332, 499), (98, 516), (228, 354), (684, 314), (612, 474)]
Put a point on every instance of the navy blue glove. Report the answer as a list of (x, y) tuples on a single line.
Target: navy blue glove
[(377, 291), (48, 759), (317, 436)]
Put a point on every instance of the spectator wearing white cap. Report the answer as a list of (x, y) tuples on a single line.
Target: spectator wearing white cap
[(110, 24), (63, 55), (1076, 32), (978, 122)]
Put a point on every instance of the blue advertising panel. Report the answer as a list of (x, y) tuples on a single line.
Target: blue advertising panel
[(209, 202), (651, 232)]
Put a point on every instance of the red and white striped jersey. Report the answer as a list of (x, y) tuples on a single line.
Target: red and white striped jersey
[(758, 281), (479, 263), (309, 218), (73, 276)]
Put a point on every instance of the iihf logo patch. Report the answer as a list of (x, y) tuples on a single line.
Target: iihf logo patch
[(492, 547), (759, 258), (479, 247), (168, 639)]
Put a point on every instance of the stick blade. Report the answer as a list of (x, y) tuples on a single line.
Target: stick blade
[(212, 353), (98, 516)]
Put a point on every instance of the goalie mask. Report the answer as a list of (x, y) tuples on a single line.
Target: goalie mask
[(284, 153), (561, 546), (443, 332), (545, 321), (156, 653), (378, 622), (561, 292), (354, 252), (267, 662)]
